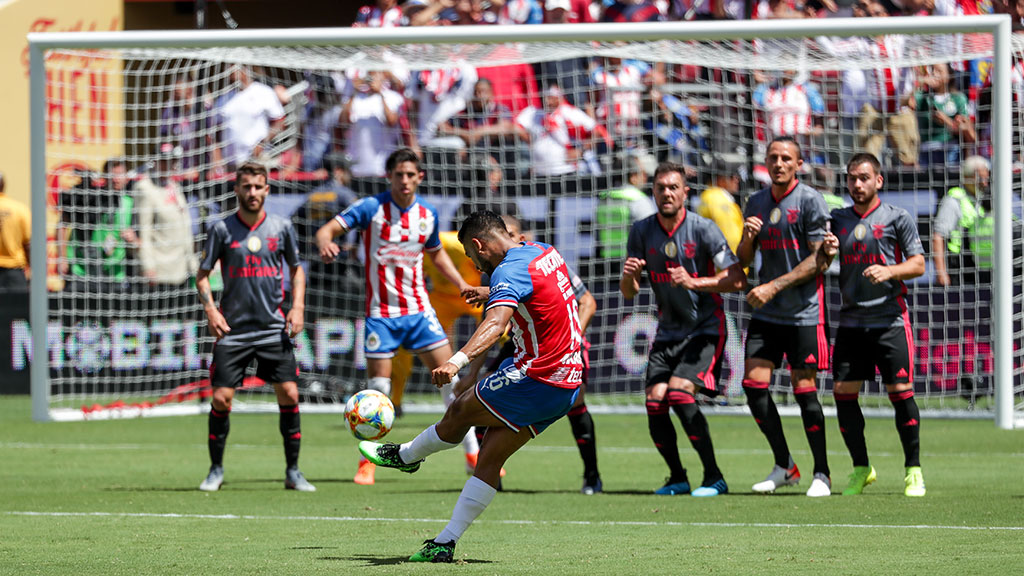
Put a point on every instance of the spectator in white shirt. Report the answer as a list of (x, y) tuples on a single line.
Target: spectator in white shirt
[(560, 135), (372, 113), (249, 118)]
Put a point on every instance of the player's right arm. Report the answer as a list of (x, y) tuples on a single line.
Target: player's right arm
[(325, 236), (633, 267), (487, 333), (215, 320), (748, 242), (358, 215)]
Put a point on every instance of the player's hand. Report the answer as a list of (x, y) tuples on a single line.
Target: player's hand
[(680, 277), (633, 267), (762, 295), (476, 295), (752, 227), (295, 321), (329, 251), (831, 244), (443, 374), (943, 278), (878, 274), (216, 323)]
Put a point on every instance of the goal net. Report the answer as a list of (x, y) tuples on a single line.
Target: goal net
[(561, 132)]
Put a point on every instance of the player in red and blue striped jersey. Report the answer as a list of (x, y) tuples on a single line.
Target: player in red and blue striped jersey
[(531, 287), (398, 228)]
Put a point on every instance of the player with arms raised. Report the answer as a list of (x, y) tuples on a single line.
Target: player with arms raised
[(398, 227), (253, 247), (786, 222), (878, 249), (530, 286), (688, 263)]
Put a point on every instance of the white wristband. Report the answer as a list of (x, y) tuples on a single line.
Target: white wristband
[(459, 359)]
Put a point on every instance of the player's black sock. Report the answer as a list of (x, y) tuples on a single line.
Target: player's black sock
[(851, 426), (759, 399), (814, 426), (583, 431), (696, 427), (219, 424), (908, 424), (663, 432), (291, 431)]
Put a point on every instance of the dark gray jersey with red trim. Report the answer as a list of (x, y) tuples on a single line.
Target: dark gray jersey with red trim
[(252, 264), (789, 226), (696, 244), (884, 235)]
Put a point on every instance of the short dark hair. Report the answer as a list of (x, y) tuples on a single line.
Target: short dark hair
[(399, 156), (864, 157), (482, 224), (666, 167), (252, 169), (788, 140), (111, 162)]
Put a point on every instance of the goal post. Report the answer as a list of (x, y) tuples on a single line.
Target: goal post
[(337, 49)]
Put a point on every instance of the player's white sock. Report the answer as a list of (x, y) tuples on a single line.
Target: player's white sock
[(427, 443), (380, 384), (469, 442), (475, 496)]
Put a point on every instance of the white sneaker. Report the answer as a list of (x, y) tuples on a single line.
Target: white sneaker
[(213, 480), (778, 478), (820, 486), (294, 480)]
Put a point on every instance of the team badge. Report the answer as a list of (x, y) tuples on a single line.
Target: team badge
[(423, 226), (860, 232), (792, 215), (690, 249), (272, 243), (372, 341), (878, 231), (670, 249), (774, 216), (253, 244)]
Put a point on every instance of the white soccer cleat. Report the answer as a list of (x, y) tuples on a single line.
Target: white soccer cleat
[(820, 486), (294, 480), (778, 478), (213, 480)]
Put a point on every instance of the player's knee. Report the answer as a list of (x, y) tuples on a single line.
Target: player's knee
[(380, 384)]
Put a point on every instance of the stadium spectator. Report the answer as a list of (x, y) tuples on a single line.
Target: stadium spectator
[(372, 115), (627, 202), (688, 264), (249, 118), (97, 231), (515, 85), (400, 226), (572, 74), (620, 87), (166, 254), (562, 138), (632, 11), (823, 179), (383, 14), (578, 11), (322, 116), (790, 107), (720, 202), (530, 392), (708, 10), (15, 235), (942, 117), (436, 96), (878, 249), (469, 13), (186, 122), (253, 248), (484, 124), (786, 222), (963, 228), (518, 11)]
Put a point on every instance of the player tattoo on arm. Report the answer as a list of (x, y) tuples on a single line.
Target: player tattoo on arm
[(808, 268)]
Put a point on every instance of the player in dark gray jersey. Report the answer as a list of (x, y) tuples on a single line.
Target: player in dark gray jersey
[(253, 248), (786, 222), (688, 264), (878, 249)]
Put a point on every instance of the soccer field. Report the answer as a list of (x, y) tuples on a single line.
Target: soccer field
[(120, 497)]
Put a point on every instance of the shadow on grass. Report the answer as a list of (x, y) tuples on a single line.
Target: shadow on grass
[(369, 560)]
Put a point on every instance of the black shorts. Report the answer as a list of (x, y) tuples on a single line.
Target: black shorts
[(805, 347), (859, 351), (275, 363), (697, 359)]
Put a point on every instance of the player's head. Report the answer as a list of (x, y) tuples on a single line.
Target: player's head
[(863, 178), (404, 174), (251, 187), (783, 159), (485, 239), (515, 228), (974, 172), (670, 189)]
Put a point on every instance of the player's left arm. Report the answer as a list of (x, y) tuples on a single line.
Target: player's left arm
[(446, 267), (816, 262), (731, 279), (910, 244), (295, 319), (486, 334)]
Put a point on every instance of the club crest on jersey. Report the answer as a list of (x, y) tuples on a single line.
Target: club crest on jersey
[(372, 341), (272, 243), (878, 231), (774, 216), (670, 249), (690, 249), (860, 232), (253, 244), (792, 214), (423, 226)]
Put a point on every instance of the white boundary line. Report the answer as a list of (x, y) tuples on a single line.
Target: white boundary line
[(515, 522)]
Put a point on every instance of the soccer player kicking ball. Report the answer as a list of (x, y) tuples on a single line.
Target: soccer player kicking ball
[(530, 286), (688, 263), (786, 221), (398, 227), (878, 249), (252, 247)]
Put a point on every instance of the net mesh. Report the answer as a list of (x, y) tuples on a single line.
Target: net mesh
[(573, 164)]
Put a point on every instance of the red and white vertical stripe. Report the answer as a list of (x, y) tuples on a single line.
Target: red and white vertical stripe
[(394, 261), (789, 110)]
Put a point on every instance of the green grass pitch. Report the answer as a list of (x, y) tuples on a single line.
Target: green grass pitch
[(119, 497)]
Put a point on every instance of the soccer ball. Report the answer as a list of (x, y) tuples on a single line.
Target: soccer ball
[(370, 414)]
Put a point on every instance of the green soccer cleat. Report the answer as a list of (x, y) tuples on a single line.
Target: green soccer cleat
[(914, 481), (434, 552), (386, 455), (861, 477)]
